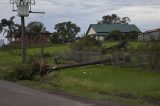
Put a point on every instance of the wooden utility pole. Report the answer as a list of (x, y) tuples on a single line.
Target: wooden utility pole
[(23, 8), (23, 38)]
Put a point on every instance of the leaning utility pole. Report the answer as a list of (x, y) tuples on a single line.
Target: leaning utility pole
[(23, 8)]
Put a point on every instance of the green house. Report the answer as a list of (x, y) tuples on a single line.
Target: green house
[(102, 30)]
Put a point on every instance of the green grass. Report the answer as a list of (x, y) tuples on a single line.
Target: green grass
[(13, 56), (132, 44), (131, 86), (134, 86), (119, 80), (7, 58), (107, 44), (48, 49)]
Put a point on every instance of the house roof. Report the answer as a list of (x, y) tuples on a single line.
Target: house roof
[(153, 30), (105, 28), (46, 33)]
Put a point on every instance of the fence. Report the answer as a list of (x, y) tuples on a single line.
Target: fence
[(77, 56), (118, 58)]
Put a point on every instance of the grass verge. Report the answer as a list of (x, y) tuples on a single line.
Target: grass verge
[(132, 86)]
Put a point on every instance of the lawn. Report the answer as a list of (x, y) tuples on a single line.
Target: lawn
[(51, 49), (13, 56), (131, 44), (135, 86), (108, 44), (7, 58), (117, 81)]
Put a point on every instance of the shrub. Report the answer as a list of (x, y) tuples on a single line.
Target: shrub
[(25, 72), (132, 35), (116, 35), (86, 43), (151, 51), (20, 72)]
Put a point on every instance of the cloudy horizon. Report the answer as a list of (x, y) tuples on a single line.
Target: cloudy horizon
[(143, 13)]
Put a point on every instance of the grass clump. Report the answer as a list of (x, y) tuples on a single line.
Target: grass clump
[(24, 72), (20, 72)]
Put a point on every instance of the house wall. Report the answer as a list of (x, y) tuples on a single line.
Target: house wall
[(150, 36), (91, 31), (101, 38)]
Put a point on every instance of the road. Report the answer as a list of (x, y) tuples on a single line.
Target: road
[(15, 95)]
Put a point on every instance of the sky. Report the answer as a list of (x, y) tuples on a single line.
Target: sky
[(143, 13)]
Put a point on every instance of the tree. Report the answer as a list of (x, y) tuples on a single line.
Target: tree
[(1, 28), (66, 31), (33, 31), (114, 19), (17, 31), (35, 28), (54, 38), (8, 26), (116, 35)]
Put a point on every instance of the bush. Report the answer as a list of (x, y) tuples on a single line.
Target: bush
[(132, 35), (25, 72), (20, 72), (116, 35), (86, 43), (151, 51)]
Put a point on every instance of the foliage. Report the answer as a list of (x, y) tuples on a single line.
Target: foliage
[(20, 72), (25, 72), (132, 35), (1, 28), (55, 38), (32, 58), (85, 43), (65, 32), (9, 27), (35, 28), (114, 19), (116, 35), (152, 51)]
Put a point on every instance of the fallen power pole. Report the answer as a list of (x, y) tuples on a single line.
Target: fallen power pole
[(23, 9), (56, 68)]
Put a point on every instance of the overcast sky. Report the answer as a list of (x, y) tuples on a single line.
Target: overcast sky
[(144, 13)]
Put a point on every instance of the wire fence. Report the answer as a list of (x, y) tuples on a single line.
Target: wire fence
[(118, 58)]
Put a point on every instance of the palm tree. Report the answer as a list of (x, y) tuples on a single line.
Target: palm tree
[(8, 26)]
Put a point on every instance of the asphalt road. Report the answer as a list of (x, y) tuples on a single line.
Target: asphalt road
[(15, 95)]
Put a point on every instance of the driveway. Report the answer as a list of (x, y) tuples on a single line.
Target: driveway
[(15, 95)]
